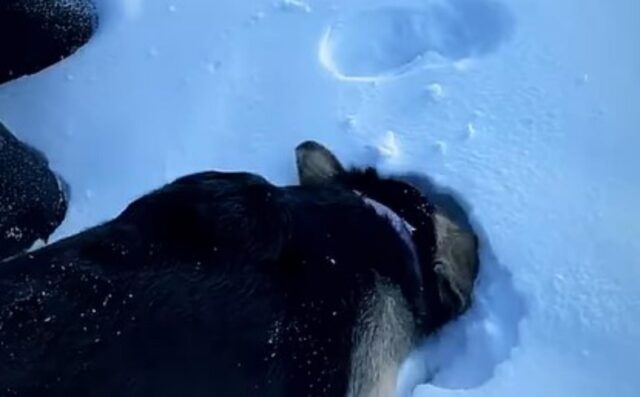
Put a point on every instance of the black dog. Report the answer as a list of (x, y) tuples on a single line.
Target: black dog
[(221, 284)]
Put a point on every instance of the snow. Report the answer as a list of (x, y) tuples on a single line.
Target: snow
[(528, 109)]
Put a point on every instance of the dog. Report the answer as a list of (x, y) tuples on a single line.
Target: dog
[(222, 284)]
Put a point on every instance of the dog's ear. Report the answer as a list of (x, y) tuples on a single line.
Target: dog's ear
[(455, 262), (316, 164)]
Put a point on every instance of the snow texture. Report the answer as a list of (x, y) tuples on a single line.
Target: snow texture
[(526, 109)]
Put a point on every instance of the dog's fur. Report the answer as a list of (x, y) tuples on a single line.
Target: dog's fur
[(221, 284)]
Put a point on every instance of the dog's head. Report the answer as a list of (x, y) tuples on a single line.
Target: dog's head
[(446, 251)]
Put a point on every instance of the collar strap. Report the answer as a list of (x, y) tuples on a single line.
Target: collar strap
[(399, 224)]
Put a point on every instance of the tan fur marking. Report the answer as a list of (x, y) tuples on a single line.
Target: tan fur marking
[(383, 339), (455, 257)]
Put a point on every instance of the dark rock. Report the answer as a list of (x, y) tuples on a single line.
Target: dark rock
[(33, 200), (35, 34)]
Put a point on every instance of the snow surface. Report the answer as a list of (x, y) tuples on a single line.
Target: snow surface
[(528, 109)]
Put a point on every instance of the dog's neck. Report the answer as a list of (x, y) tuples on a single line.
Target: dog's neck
[(400, 225), (383, 338), (385, 330)]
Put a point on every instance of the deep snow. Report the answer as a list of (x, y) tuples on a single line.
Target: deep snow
[(528, 109)]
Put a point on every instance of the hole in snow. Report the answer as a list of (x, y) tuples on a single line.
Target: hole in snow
[(466, 353), (388, 41)]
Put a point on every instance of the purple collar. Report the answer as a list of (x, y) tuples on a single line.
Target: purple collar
[(399, 224)]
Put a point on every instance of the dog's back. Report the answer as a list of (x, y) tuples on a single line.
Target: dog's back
[(213, 281)]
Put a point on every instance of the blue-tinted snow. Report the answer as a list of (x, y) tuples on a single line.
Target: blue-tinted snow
[(528, 109)]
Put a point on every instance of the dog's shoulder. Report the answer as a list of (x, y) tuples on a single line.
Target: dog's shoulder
[(225, 212)]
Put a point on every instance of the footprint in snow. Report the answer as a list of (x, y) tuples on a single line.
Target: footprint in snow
[(388, 41)]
